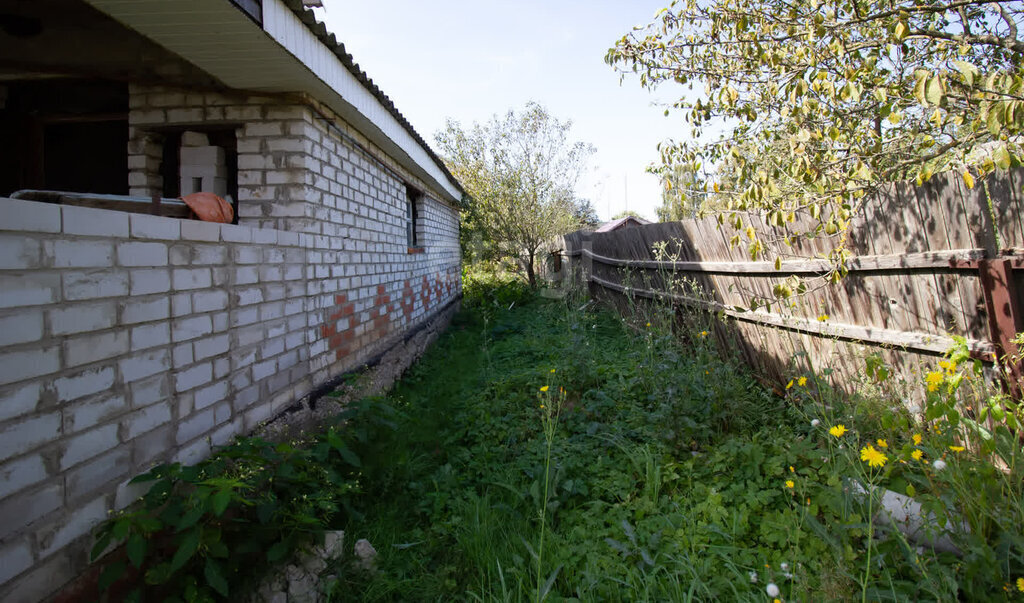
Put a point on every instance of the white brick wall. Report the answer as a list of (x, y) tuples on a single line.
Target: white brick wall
[(127, 340)]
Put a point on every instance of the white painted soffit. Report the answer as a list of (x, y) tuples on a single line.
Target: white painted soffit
[(283, 56)]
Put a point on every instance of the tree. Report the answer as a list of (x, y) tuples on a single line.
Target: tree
[(586, 215), (627, 213), (520, 172), (829, 99)]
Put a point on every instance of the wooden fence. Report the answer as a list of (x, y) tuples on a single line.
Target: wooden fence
[(929, 263)]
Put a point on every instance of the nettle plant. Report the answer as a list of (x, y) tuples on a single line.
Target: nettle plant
[(203, 532), (825, 101)]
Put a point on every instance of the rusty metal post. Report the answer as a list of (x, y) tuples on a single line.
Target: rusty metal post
[(1004, 317), (587, 261)]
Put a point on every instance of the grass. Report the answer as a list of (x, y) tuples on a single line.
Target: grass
[(650, 469)]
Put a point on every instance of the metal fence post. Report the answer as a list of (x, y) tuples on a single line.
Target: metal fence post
[(1004, 317), (587, 260)]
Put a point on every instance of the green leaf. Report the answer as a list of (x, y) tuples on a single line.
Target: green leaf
[(186, 549), (967, 70), (136, 549), (350, 457), (220, 501), (278, 551), (1001, 157), (111, 574), (935, 90), (159, 574), (121, 528), (100, 546), (215, 578)]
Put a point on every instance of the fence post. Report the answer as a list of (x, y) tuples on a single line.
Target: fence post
[(586, 260), (1004, 317)]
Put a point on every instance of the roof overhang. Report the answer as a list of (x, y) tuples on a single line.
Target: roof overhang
[(281, 55)]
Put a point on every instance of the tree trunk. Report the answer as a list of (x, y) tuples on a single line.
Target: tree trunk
[(531, 277)]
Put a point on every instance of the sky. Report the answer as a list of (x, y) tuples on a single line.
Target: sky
[(469, 60)]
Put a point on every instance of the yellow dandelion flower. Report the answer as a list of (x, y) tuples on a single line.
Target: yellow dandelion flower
[(802, 381), (950, 366), (917, 439), (544, 389), (882, 443), (551, 371), (934, 378), (957, 448), (838, 430), (776, 600), (648, 325), (542, 406), (823, 318), (1020, 584), (791, 469), (916, 455), (790, 484), (873, 457), (703, 333), (790, 384)]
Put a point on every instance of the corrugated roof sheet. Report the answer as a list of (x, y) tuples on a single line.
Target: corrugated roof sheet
[(331, 42)]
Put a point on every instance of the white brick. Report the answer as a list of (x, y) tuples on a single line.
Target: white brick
[(247, 255), (150, 281), (196, 230), (87, 478), (89, 444), (151, 336), (196, 425), (79, 318), (142, 254), (18, 366), (181, 304), (209, 301), (95, 222), (145, 420), (29, 216), (18, 401), (146, 311), (21, 327), (93, 347), (85, 415), (210, 395), (200, 374), (83, 384), (28, 289), (191, 328), (211, 346), (191, 278), (252, 295), (22, 436), (83, 254), (78, 524), (142, 365), (235, 233), (91, 285), (150, 391), (247, 275), (19, 252), (263, 370), (182, 355), (155, 227), (14, 559), (21, 473)]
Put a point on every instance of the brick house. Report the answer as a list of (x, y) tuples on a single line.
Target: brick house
[(130, 334)]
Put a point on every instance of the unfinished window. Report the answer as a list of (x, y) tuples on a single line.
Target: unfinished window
[(413, 199)]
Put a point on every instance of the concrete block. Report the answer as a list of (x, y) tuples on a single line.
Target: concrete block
[(150, 255), (78, 523), (155, 227), (20, 400), (193, 453), (145, 420), (21, 327), (221, 367), (135, 312), (89, 477), (79, 416), (28, 289), (193, 377), (95, 347), (127, 493), (26, 364), (83, 254), (210, 395), (20, 252), (184, 329), (235, 233), (263, 370), (145, 364), (84, 383), (18, 512), (200, 156), (247, 275), (194, 139), (252, 295), (144, 282), (150, 336), (196, 230), (21, 473), (150, 391), (80, 318), (191, 278), (29, 216), (195, 425), (88, 445), (20, 437), (211, 346), (185, 116), (220, 322), (247, 255), (181, 355), (15, 558), (95, 222), (210, 301), (96, 284)]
